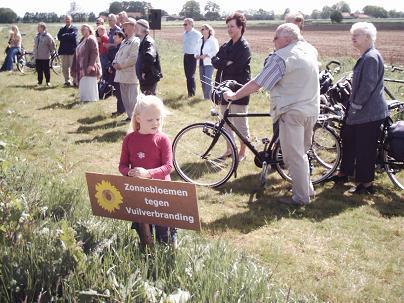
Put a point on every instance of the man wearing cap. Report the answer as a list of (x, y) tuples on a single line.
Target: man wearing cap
[(148, 68), (124, 64), (190, 40)]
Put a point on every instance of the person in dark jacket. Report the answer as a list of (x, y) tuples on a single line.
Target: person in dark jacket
[(67, 36), (366, 111), (233, 63), (148, 69), (119, 36)]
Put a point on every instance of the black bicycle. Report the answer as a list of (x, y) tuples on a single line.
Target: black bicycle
[(25, 62), (198, 149)]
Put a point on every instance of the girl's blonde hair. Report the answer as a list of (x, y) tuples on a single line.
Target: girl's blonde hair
[(144, 102)]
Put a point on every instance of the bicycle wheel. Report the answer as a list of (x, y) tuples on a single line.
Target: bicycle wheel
[(56, 64), (20, 62), (394, 169), (324, 155), (197, 151), (26, 63)]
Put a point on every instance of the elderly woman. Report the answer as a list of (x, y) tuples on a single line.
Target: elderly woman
[(14, 47), (233, 63), (43, 47), (366, 111), (206, 49), (86, 68)]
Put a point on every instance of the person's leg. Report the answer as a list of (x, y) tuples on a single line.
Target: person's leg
[(348, 137), (46, 70), (66, 64), (119, 104), (132, 98), (207, 88), (241, 123), (308, 140), (202, 78), (125, 97), (8, 62), (292, 140), (190, 68), (39, 70), (366, 151), (229, 130)]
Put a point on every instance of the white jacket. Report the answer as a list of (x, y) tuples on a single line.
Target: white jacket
[(210, 48), (126, 57)]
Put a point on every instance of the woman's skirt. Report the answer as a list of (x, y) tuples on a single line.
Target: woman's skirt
[(88, 89)]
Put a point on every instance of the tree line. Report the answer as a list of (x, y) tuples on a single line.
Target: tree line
[(192, 9)]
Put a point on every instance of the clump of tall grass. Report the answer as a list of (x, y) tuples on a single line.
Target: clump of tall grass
[(51, 249)]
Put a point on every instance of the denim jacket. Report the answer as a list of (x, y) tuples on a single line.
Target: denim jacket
[(367, 103)]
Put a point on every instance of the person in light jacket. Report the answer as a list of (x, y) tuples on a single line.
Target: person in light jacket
[(43, 47), (207, 48), (125, 66)]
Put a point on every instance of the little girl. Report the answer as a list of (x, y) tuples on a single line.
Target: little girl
[(147, 153)]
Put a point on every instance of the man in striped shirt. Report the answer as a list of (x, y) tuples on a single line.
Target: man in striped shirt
[(291, 76)]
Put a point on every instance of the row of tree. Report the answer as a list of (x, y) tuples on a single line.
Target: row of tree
[(192, 9)]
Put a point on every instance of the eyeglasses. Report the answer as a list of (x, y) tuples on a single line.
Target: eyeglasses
[(202, 29), (185, 24)]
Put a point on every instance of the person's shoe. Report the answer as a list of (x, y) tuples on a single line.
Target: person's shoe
[(361, 189), (48, 84), (291, 201), (338, 179), (67, 84), (127, 119), (116, 114), (224, 157)]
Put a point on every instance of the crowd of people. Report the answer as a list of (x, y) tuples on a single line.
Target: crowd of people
[(126, 56)]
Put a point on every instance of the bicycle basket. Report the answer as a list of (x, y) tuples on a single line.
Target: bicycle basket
[(395, 139)]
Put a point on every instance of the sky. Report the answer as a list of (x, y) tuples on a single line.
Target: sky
[(174, 6)]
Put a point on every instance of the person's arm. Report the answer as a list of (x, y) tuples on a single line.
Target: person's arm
[(132, 56), (124, 162), (368, 82), (239, 58), (246, 90), (220, 61), (166, 160), (91, 43)]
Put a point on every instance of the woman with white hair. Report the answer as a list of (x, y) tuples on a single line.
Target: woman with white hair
[(86, 68), (366, 111)]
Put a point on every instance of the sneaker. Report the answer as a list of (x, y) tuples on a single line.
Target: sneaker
[(67, 84), (48, 84), (360, 189), (291, 201)]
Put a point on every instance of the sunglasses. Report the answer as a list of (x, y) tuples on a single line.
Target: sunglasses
[(185, 24)]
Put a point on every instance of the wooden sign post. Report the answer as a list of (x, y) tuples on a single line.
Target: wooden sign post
[(165, 203)]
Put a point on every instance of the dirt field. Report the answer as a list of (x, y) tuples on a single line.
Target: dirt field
[(330, 43)]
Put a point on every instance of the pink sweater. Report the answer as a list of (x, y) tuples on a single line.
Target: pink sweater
[(152, 152)]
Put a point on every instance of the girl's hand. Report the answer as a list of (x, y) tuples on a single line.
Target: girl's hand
[(139, 172)]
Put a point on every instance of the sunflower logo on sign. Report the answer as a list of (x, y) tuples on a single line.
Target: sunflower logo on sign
[(108, 196)]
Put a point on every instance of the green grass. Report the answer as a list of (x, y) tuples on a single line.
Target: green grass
[(341, 248)]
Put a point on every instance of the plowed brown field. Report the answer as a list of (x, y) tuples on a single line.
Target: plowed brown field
[(329, 43)]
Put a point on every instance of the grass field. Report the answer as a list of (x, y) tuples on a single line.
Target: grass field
[(340, 248)]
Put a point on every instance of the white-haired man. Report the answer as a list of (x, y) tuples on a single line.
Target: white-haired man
[(291, 77)]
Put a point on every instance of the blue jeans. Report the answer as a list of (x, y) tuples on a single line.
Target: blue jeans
[(205, 74), (8, 62)]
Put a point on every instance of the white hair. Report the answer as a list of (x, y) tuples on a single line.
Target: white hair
[(289, 30), (366, 28)]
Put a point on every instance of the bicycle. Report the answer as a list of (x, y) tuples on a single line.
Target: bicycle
[(202, 163), (25, 62)]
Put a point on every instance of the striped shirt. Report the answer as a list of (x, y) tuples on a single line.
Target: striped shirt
[(272, 72)]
